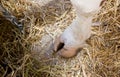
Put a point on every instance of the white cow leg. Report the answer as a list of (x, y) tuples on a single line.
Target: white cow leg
[(74, 37), (79, 31)]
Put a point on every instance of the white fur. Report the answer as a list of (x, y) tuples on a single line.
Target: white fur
[(80, 29), (86, 6)]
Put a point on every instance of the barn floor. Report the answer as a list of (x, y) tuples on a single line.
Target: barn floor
[(100, 58)]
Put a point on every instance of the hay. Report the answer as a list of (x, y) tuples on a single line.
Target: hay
[(26, 55)]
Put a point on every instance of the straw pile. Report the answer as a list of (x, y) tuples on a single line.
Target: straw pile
[(29, 54)]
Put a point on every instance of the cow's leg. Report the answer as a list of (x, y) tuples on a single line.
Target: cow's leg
[(79, 31), (73, 37)]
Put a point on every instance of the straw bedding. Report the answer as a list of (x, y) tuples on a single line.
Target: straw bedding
[(30, 54)]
